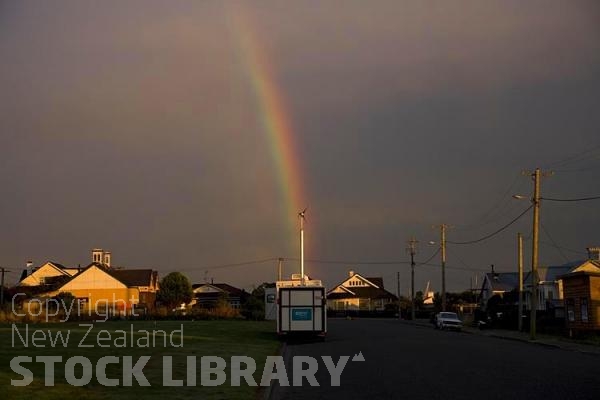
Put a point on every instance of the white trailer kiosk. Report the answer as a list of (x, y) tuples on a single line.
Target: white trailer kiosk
[(301, 307)]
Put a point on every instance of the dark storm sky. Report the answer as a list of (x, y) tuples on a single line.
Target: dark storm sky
[(132, 126)]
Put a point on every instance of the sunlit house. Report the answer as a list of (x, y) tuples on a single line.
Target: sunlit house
[(357, 292), (581, 288), (208, 295), (98, 286)]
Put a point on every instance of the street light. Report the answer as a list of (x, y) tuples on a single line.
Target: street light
[(535, 200), (412, 250)]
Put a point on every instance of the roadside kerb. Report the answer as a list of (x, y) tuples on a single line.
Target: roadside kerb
[(522, 337), (275, 382)]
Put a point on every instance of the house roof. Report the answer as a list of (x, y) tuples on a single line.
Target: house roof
[(231, 290), (551, 274), (507, 281), (590, 267), (376, 281), (374, 290), (57, 265), (133, 277), (128, 277), (503, 281)]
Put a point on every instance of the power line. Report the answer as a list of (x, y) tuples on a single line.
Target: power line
[(460, 260), (495, 232), (579, 199), (564, 248), (557, 247), (581, 169), (581, 156), (457, 268), (239, 264), (430, 258), (363, 262), (426, 263), (348, 262), (497, 206)]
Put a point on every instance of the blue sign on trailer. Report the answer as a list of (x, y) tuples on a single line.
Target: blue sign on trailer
[(301, 314)]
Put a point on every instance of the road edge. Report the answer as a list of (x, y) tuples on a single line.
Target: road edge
[(268, 392)]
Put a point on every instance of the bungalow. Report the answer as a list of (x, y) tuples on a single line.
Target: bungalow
[(359, 293), (498, 284), (207, 295), (97, 285)]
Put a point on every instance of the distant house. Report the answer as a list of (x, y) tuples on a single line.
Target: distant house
[(207, 295), (505, 286), (96, 286), (581, 289), (47, 275), (498, 284), (359, 293)]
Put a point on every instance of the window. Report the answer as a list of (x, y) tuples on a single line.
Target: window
[(571, 310), (584, 309)]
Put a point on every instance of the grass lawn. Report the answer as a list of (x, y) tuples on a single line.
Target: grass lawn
[(200, 338)]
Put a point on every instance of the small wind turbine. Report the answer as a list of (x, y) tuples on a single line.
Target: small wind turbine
[(302, 218)]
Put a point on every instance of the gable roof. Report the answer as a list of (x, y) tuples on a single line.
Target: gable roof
[(222, 287), (589, 267), (46, 270), (127, 277), (507, 281), (375, 282), (373, 290), (502, 281), (57, 265), (97, 271)]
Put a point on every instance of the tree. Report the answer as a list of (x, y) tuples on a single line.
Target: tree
[(175, 288), (254, 306)]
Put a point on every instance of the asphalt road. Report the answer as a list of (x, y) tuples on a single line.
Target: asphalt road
[(404, 361)]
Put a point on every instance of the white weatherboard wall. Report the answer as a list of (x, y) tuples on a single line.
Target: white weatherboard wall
[(93, 278)]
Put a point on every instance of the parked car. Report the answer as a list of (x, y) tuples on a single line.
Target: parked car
[(448, 320)]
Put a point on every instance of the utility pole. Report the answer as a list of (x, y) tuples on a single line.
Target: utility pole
[(279, 268), (536, 175), (443, 245), (520, 261), (398, 292), (301, 216), (412, 249), (534, 251)]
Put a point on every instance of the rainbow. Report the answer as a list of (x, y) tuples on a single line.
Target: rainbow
[(275, 118)]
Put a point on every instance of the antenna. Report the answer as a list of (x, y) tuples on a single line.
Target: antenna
[(302, 217)]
